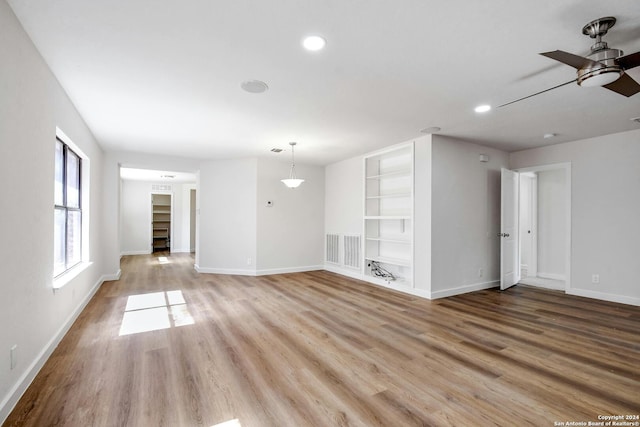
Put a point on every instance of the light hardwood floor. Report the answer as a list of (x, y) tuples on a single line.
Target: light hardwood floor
[(319, 349)]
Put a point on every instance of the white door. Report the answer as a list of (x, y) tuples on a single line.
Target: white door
[(509, 259)]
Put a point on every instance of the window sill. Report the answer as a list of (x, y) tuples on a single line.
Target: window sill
[(69, 275)]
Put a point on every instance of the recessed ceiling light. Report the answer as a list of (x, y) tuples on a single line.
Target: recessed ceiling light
[(254, 86), (482, 108), (549, 135), (314, 43), (636, 119), (431, 129)]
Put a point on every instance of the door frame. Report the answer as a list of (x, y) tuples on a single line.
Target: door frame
[(171, 221), (532, 266), (566, 166)]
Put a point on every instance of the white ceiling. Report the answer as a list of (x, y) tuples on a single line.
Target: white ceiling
[(164, 76), (133, 174)]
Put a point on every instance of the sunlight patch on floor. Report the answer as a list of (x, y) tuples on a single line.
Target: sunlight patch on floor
[(230, 423), (155, 311), (163, 260)]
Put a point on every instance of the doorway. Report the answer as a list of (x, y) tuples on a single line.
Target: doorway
[(192, 220), (161, 221), (543, 231), (543, 223)]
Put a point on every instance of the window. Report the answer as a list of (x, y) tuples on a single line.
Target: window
[(67, 211)]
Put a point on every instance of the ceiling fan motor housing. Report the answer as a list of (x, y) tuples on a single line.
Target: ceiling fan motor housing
[(607, 69)]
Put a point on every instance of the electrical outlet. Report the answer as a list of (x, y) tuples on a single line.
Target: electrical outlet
[(249, 261), (595, 278), (480, 272), (13, 356)]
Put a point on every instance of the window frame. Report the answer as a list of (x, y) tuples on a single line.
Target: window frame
[(67, 209)]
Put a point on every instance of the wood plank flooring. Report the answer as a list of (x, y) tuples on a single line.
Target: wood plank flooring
[(319, 349)]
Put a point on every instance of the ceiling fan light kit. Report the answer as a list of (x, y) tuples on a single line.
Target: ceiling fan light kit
[(599, 77), (603, 67), (606, 70)]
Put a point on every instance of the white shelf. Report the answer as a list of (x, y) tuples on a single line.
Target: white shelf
[(387, 260), (388, 211), (161, 221), (391, 174), (389, 217), (389, 240), (390, 196)]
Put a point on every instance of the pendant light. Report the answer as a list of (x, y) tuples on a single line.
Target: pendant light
[(292, 181)]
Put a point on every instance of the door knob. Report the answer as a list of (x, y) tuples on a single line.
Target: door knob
[(503, 234)]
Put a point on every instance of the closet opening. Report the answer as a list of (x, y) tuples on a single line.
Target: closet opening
[(161, 222), (544, 228), (535, 227)]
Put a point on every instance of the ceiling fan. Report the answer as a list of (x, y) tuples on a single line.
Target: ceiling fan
[(602, 67)]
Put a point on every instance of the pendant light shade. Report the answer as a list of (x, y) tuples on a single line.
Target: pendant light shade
[(292, 181)]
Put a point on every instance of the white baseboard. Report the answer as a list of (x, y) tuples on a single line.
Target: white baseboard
[(180, 251), (349, 272), (556, 285), (288, 270), (231, 271), (266, 272), (465, 289), (358, 275), (408, 289), (15, 393), (146, 252), (110, 277), (623, 299), (397, 286), (551, 276)]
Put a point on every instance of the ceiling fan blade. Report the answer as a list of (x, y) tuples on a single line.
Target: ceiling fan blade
[(629, 61), (570, 59), (538, 93), (625, 85)]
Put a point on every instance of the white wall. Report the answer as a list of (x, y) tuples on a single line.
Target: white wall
[(343, 204), (136, 217), (182, 240), (235, 234), (135, 208), (605, 183), (111, 194), (456, 213), (423, 148), (343, 198), (227, 220), (552, 226), (32, 105), (465, 217), (290, 232)]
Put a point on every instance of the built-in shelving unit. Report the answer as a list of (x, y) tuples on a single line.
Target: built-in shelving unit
[(388, 216), (161, 222)]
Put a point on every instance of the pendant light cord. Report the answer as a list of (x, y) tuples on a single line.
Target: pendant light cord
[(292, 173)]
